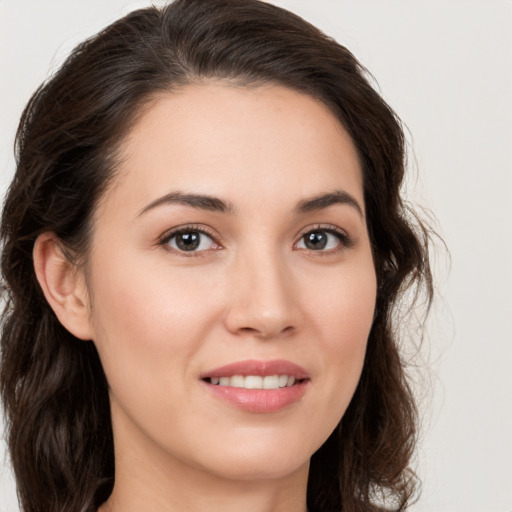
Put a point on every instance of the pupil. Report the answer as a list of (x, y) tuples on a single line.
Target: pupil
[(188, 241), (316, 240)]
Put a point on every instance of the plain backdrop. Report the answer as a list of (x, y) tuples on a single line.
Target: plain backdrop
[(445, 66)]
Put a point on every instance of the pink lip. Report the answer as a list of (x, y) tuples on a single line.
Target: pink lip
[(259, 400), (261, 368)]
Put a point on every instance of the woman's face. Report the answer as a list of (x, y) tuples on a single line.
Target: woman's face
[(230, 254)]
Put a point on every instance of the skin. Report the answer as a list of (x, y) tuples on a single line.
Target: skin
[(160, 317)]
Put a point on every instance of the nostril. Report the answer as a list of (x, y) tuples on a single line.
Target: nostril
[(267, 333), (249, 329)]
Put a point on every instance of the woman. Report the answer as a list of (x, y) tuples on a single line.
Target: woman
[(203, 246)]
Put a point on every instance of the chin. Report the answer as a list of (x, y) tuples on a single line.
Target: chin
[(248, 470), (260, 459)]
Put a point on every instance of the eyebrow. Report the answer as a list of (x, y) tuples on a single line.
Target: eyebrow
[(200, 201), (325, 200), (214, 204)]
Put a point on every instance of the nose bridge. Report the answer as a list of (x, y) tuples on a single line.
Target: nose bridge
[(261, 300)]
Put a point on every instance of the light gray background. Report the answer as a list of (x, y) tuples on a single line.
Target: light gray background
[(446, 68)]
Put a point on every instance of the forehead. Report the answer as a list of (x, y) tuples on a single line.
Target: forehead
[(267, 141)]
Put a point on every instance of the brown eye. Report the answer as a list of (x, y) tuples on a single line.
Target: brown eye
[(190, 241), (323, 240), (316, 240)]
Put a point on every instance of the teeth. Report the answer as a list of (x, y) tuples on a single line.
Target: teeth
[(271, 382), (237, 381), (255, 381)]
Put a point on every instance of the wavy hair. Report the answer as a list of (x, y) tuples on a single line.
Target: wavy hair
[(54, 391)]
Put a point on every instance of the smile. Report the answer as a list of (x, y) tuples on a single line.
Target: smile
[(258, 386), (254, 381)]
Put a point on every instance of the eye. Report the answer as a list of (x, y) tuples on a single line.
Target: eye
[(190, 240), (324, 239)]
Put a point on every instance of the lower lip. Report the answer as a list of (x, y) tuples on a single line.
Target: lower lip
[(260, 400)]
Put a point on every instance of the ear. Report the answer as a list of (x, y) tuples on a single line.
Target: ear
[(63, 285)]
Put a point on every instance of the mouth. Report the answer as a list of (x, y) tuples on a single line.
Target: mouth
[(255, 381), (258, 386)]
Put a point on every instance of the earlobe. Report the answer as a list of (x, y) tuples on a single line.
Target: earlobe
[(63, 285)]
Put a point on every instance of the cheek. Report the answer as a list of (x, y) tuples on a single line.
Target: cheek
[(347, 311), (346, 305), (138, 298), (148, 323)]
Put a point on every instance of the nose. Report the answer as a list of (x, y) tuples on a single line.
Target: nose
[(262, 298)]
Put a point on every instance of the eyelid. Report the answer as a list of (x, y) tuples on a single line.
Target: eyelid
[(346, 241), (164, 239)]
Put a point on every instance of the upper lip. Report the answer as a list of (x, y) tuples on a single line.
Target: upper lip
[(257, 367)]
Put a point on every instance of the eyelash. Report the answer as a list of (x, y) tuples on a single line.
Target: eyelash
[(345, 241), (166, 238)]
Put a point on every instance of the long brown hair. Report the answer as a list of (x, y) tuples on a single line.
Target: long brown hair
[(53, 388)]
